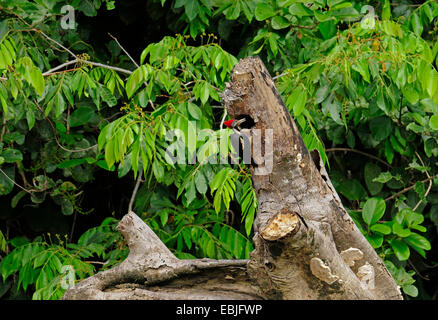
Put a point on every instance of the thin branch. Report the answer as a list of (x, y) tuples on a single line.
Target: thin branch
[(56, 138), (126, 52), (280, 75), (223, 119), (430, 182), (97, 64), (406, 190), (3, 128), (303, 27), (359, 152), (134, 192), (418, 272), (49, 72), (96, 262), (22, 188)]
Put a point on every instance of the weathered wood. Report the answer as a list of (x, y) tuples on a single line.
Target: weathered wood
[(152, 272), (306, 245), (307, 263)]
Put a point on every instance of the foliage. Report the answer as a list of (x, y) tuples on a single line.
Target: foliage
[(42, 263), (359, 78)]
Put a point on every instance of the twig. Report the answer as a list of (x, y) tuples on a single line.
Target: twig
[(359, 152), (406, 190), (303, 27), (96, 262), (134, 192), (280, 75), (22, 188), (126, 52), (430, 183), (59, 67), (418, 272), (56, 138), (3, 128), (73, 226), (223, 119), (97, 64)]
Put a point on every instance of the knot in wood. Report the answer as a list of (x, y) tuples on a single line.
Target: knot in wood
[(283, 224)]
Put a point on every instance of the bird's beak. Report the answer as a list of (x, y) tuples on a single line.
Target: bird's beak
[(238, 122)]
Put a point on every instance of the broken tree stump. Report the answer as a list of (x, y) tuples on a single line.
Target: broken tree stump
[(306, 245)]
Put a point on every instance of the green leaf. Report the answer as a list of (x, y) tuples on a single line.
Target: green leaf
[(371, 171), (187, 237), (373, 210), (37, 80), (383, 177), (327, 29), (80, 116), (417, 241), (410, 290), (264, 11), (201, 182), (298, 9), (381, 228), (191, 9), (376, 240), (322, 93), (386, 10), (417, 26), (279, 23), (362, 67), (190, 192), (297, 101), (273, 43), (433, 122), (352, 190), (134, 81), (380, 128), (389, 151), (205, 92), (381, 103), (12, 155), (401, 250), (70, 163), (66, 207), (400, 231), (158, 170), (164, 217), (17, 198), (107, 96), (410, 94), (4, 105), (59, 105), (194, 111)]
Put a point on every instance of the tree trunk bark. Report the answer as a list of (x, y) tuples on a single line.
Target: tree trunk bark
[(306, 245)]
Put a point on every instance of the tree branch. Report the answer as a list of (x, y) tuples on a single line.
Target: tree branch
[(359, 152), (126, 52), (430, 183), (406, 189), (22, 188), (56, 138), (134, 192)]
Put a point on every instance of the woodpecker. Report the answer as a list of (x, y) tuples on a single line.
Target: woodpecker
[(233, 124), (240, 140)]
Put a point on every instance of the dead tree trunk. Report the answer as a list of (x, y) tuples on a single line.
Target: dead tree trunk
[(306, 245)]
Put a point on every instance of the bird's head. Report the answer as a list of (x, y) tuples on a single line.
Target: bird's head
[(233, 123), (229, 123)]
